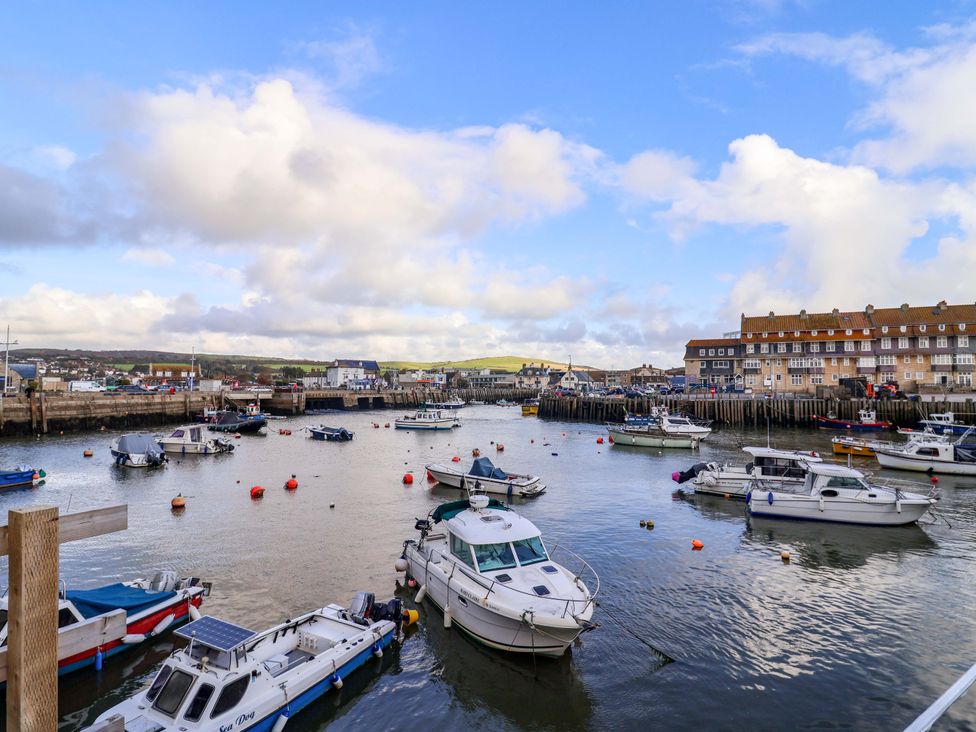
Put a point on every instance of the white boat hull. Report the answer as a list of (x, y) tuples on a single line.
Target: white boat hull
[(445, 476), (922, 464), (446, 424), (130, 460), (837, 510), (637, 439), (522, 486), (469, 613), (184, 448)]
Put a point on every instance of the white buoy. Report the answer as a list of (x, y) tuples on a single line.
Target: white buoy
[(421, 594), (401, 564), (378, 650), (194, 612), (447, 616), (163, 624), (280, 722), (821, 503), (133, 638), (336, 681), (898, 505)]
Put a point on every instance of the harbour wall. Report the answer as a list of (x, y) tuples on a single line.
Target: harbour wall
[(745, 411), (44, 413)]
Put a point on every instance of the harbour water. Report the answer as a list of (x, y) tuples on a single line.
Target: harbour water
[(861, 630)]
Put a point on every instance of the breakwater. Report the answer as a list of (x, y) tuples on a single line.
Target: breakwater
[(746, 411), (297, 402)]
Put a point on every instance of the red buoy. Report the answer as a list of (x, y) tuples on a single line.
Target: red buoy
[(292, 484), (257, 492), (599, 440), (500, 447), (407, 478), (456, 459), (935, 479)]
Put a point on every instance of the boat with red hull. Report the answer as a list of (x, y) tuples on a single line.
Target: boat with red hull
[(151, 607), (867, 421)]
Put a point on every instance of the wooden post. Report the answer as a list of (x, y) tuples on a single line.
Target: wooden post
[(32, 684)]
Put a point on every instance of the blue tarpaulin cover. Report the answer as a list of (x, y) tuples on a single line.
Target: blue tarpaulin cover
[(482, 468), (113, 597)]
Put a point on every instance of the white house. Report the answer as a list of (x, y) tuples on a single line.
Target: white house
[(576, 380)]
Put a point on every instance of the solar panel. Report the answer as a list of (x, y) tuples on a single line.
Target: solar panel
[(215, 633)]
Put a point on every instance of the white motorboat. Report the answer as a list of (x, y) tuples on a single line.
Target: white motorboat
[(453, 403), (932, 453), (231, 678), (483, 477), (944, 422), (492, 576), (733, 480), (193, 440), (428, 419), (649, 436), (678, 424), (137, 451), (836, 493)]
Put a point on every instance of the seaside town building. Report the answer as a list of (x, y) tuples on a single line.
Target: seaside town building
[(918, 347)]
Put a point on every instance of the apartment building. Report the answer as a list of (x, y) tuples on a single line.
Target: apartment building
[(916, 346), (714, 361)]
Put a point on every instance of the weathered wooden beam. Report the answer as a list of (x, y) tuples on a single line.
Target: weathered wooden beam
[(81, 525), (81, 637)]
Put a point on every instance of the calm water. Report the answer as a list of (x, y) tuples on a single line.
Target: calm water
[(862, 630)]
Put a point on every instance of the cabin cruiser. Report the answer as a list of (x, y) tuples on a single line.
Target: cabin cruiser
[(137, 450), (331, 434), (836, 493), (650, 436), (679, 424), (232, 678), (733, 480), (453, 403), (491, 575), (191, 440), (935, 453), (428, 419), (867, 421), (151, 607), (944, 422), (20, 476), (483, 477)]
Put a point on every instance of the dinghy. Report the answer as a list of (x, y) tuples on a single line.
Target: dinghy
[(490, 573), (20, 476), (232, 678), (330, 434), (484, 477), (151, 607), (137, 451)]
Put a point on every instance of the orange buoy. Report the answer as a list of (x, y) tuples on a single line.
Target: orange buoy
[(696, 545), (456, 459), (599, 440), (500, 447), (292, 484), (284, 432), (728, 496), (387, 425), (178, 502), (36, 476), (88, 453), (257, 491), (407, 478)]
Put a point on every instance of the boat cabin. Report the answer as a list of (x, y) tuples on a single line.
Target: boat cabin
[(187, 434), (830, 481), (867, 416), (768, 462), (486, 537)]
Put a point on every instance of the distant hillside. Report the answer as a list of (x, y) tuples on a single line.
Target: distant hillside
[(496, 363)]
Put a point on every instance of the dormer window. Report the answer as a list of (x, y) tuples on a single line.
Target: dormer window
[(884, 328), (866, 331), (848, 332), (765, 335), (830, 332), (813, 332), (796, 333), (921, 328), (962, 326), (941, 326), (781, 334)]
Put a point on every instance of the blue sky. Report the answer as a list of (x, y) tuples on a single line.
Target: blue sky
[(459, 180)]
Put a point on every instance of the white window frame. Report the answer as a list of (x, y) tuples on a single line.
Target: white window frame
[(797, 348), (865, 345), (902, 342), (923, 341), (942, 341), (831, 347), (885, 344), (848, 346)]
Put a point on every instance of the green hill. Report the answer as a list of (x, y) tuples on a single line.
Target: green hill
[(496, 363)]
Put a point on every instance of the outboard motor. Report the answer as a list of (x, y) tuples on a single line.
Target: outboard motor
[(164, 581), (685, 475), (361, 608), (391, 610)]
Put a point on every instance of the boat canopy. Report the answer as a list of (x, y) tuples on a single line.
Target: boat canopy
[(114, 597), (449, 510), (483, 468), (139, 444)]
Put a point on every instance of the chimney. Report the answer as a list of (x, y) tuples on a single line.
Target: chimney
[(772, 314), (803, 315), (904, 307), (943, 305), (835, 312), (869, 310)]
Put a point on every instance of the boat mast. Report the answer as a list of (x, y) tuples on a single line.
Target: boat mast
[(6, 361)]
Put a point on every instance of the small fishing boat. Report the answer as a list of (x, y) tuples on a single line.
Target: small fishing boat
[(453, 403), (137, 450), (492, 576), (649, 436), (733, 480), (505, 403), (530, 408), (476, 403), (867, 421), (844, 445), (932, 453), (151, 607), (944, 422), (233, 678), (679, 424), (428, 419), (20, 476), (483, 477), (839, 494), (191, 440), (330, 434), (236, 422)]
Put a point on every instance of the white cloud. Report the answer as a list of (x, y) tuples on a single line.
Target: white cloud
[(56, 155), (150, 257)]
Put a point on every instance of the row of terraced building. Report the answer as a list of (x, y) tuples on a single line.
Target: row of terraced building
[(918, 347)]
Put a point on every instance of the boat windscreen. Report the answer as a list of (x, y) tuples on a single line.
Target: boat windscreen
[(494, 556), (530, 551)]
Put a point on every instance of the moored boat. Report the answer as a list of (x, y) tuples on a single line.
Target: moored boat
[(236, 422), (454, 402), (490, 573), (530, 408), (867, 421), (733, 480), (932, 453), (20, 476), (137, 450), (191, 440), (944, 422), (844, 445), (428, 419), (151, 607), (484, 477), (650, 436), (331, 434), (839, 494), (232, 678)]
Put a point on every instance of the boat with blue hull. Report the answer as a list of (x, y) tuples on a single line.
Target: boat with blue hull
[(19, 477), (944, 423), (330, 434), (867, 421), (232, 678)]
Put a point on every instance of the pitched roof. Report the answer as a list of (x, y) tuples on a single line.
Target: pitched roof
[(352, 363), (870, 317), (699, 342), (840, 320)]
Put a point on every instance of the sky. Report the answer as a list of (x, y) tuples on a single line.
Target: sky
[(440, 180)]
